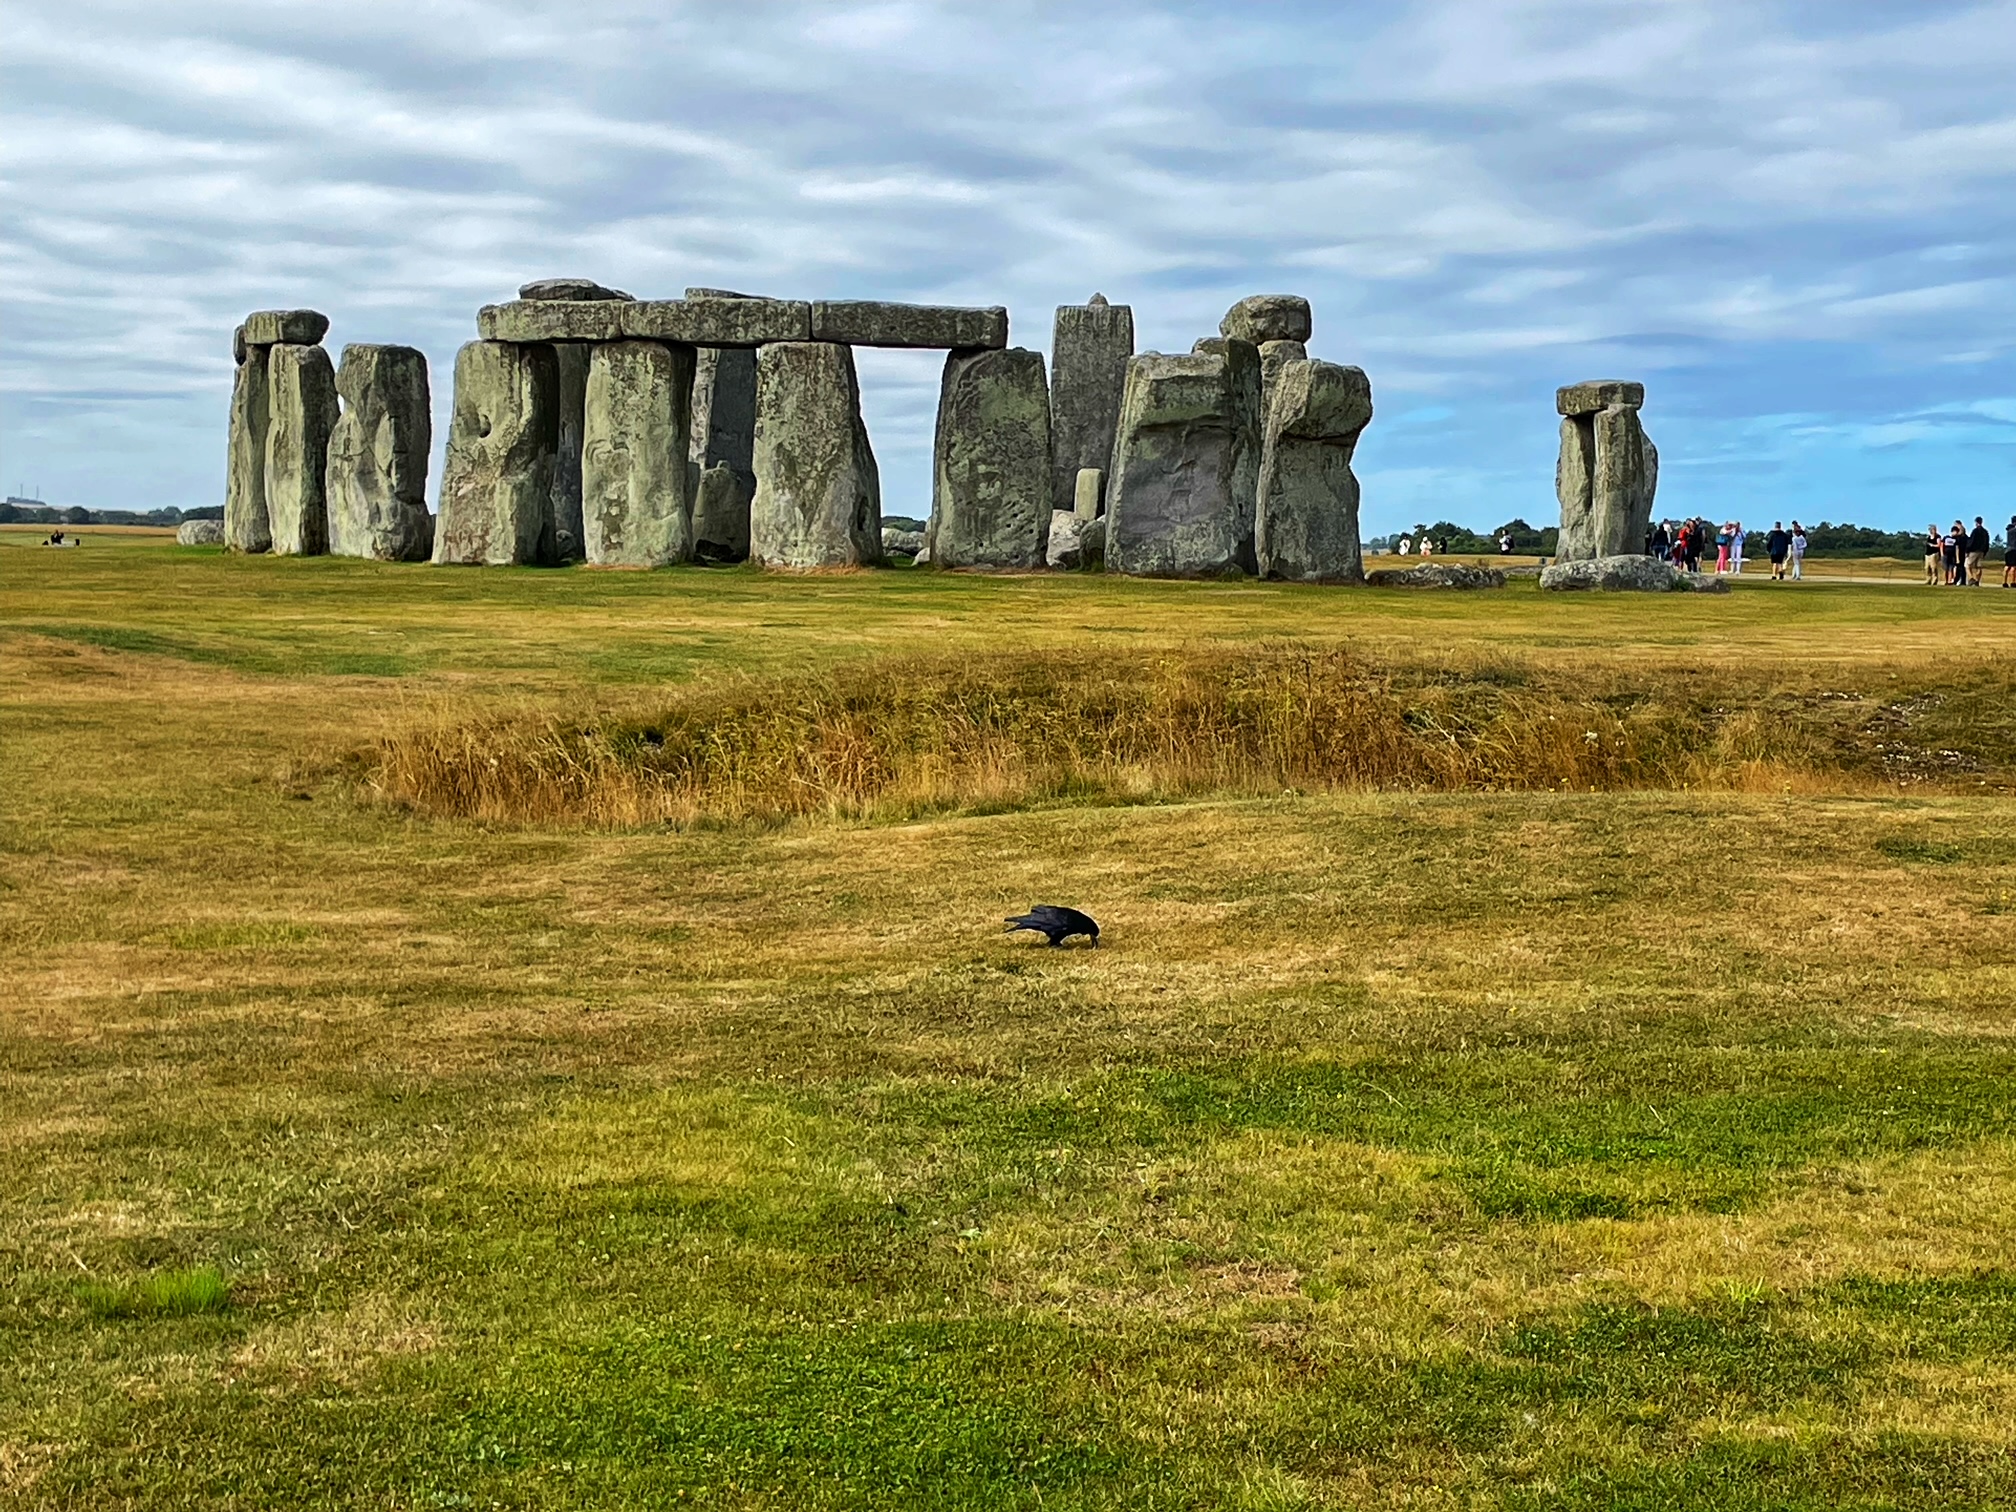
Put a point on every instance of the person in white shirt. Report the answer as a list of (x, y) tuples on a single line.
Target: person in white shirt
[(1406, 546), (1736, 549), (1798, 550)]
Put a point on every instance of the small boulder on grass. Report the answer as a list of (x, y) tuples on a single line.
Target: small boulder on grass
[(200, 533), (1627, 574), (1436, 575)]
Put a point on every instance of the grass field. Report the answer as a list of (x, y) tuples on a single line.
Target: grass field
[(1407, 1144)]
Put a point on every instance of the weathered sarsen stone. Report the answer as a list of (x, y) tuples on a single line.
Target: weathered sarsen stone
[(1268, 317), (723, 442), (1274, 356), (1306, 523), (818, 495), (636, 477), (1634, 573), (246, 525), (1607, 473), (1089, 349), (567, 288), (302, 409), (881, 323), (293, 327), (496, 486), (990, 488), (200, 533), (1186, 462), (377, 478)]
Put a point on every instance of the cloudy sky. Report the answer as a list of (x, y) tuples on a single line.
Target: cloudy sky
[(1794, 219)]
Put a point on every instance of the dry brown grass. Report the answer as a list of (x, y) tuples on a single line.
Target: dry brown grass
[(914, 734)]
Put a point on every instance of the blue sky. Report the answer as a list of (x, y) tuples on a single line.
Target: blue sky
[(1794, 221)]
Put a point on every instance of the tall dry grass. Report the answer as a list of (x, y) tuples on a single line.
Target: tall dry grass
[(892, 736)]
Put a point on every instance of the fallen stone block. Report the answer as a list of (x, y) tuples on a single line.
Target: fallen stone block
[(990, 492), (497, 483), (1268, 317), (1436, 575), (1627, 574), (636, 504), (1089, 350), (247, 527), (818, 494), (302, 412), (1306, 517), (292, 327), (897, 541), (1186, 463), (200, 533), (377, 475), (568, 288), (1061, 550), (880, 323)]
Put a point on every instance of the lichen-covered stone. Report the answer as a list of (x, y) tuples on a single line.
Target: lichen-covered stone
[(883, 323), (247, 527), (723, 442), (1598, 394), (1088, 497), (302, 411), (377, 477), (293, 327), (1268, 317), (496, 486), (990, 492), (1089, 350), (1306, 521), (1620, 508), (530, 320), (635, 474), (1574, 481), (1186, 462), (200, 533), (1628, 574), (1274, 356), (1437, 575), (818, 495)]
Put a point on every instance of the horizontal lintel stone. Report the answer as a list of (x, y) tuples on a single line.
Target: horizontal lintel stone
[(878, 323), (691, 322), (285, 327), (1597, 395)]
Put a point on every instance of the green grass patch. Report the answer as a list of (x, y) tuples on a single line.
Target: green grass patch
[(164, 1294)]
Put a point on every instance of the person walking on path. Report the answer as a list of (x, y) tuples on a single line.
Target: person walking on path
[(1796, 549), (2009, 558), (1722, 539), (1776, 544), (1956, 556), (1736, 548), (1978, 542), (1932, 556)]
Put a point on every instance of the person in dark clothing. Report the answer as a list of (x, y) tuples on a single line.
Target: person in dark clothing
[(1776, 545), (1662, 543), (2009, 558), (1949, 553), (1978, 542)]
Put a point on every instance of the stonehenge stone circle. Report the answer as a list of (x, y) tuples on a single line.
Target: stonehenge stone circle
[(200, 533), (1181, 492), (1306, 521), (377, 476), (1089, 351), (1268, 317), (723, 442), (496, 486), (990, 485), (636, 478), (1607, 471), (818, 496), (302, 411), (246, 525)]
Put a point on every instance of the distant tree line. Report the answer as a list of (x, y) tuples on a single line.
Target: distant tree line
[(1449, 536), (1822, 540), (48, 514)]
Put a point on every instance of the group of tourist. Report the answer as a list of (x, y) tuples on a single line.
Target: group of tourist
[(1686, 544), (1953, 557), (1420, 541)]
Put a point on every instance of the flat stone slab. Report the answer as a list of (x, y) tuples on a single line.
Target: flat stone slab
[(1597, 395), (1436, 575), (293, 327), (1627, 574), (718, 322), (568, 288), (878, 323)]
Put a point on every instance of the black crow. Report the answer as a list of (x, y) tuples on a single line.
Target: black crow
[(1056, 924)]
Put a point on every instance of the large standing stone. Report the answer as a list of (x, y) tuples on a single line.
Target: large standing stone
[(1186, 462), (301, 397), (377, 480), (246, 524), (1608, 471), (990, 486), (570, 369), (1274, 356), (723, 444), (1306, 527), (1268, 317), (1089, 348), (635, 479), (496, 487), (818, 496)]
